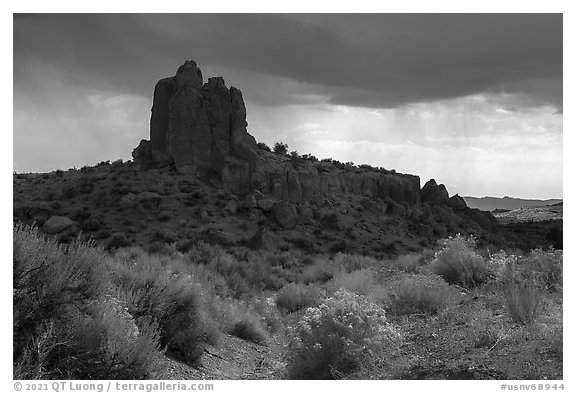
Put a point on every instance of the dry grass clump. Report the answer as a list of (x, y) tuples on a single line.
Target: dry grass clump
[(424, 294), (523, 278), (239, 320), (294, 297), (409, 263), (522, 301)]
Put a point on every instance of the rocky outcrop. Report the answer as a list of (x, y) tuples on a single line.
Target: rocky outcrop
[(201, 128), (457, 202), (433, 192)]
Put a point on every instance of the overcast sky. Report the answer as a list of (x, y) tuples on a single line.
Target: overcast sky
[(473, 100)]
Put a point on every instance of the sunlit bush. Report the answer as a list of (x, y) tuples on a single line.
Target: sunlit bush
[(345, 335), (458, 263)]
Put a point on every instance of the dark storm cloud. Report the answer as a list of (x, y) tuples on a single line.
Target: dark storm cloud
[(375, 60)]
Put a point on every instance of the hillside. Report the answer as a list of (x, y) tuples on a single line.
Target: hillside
[(531, 213), (203, 176), (506, 203)]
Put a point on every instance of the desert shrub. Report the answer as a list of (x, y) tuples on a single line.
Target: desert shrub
[(249, 330), (547, 268), (310, 157), (522, 300), (409, 263), (426, 294), (341, 337), (360, 282), (294, 297), (66, 324), (556, 236), (48, 279), (268, 313), (263, 146), (295, 156), (502, 265), (339, 246), (458, 263), (280, 148), (251, 273), (321, 270), (239, 320), (68, 192), (171, 298), (329, 221), (109, 344)]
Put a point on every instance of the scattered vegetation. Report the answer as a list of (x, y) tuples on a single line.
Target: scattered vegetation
[(81, 312), (263, 146), (424, 294), (280, 148)]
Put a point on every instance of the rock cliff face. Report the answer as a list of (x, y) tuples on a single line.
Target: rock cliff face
[(433, 192), (202, 128)]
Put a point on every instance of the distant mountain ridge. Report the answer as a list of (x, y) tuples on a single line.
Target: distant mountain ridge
[(507, 203)]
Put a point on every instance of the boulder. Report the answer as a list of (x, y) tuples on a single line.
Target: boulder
[(37, 213), (57, 224), (286, 215), (371, 205), (266, 204)]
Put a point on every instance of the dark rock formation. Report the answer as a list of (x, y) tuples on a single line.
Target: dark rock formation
[(457, 202), (201, 128), (433, 192)]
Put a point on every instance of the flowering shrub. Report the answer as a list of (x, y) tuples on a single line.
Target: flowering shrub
[(458, 263), (502, 265), (547, 267), (346, 334)]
